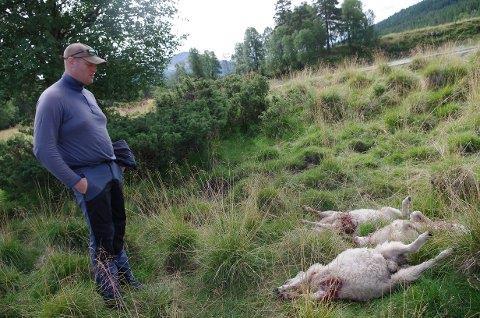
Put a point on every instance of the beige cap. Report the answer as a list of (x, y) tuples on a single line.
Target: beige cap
[(83, 51)]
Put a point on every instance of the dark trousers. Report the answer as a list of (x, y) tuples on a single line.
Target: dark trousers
[(105, 216)]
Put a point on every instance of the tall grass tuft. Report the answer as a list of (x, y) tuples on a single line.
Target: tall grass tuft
[(438, 74), (230, 258), (17, 254), (402, 81), (180, 243)]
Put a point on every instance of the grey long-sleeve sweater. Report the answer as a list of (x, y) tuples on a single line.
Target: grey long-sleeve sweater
[(70, 130)]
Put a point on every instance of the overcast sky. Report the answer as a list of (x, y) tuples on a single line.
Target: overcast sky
[(217, 25)]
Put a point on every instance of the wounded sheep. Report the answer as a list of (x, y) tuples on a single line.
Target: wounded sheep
[(348, 222), (360, 273), (407, 230)]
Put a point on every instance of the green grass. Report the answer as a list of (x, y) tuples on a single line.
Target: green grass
[(215, 242)]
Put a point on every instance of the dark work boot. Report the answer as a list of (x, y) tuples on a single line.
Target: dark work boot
[(127, 278)]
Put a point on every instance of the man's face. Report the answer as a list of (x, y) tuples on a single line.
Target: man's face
[(82, 70)]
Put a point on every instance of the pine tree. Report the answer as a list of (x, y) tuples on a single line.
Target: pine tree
[(196, 64), (282, 9), (331, 15)]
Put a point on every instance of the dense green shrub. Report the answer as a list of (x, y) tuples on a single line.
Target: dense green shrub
[(8, 114), (280, 119), (189, 116), (20, 169), (246, 100)]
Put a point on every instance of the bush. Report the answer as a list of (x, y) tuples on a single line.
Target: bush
[(8, 114), (21, 172), (189, 116), (281, 118), (246, 99)]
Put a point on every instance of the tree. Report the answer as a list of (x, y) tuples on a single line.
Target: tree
[(282, 9), (250, 55), (211, 65), (196, 63), (135, 37), (296, 43), (357, 27), (331, 15)]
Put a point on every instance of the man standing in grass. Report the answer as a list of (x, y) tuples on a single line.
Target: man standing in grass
[(71, 140)]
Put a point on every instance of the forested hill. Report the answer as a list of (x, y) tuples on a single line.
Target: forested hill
[(429, 13)]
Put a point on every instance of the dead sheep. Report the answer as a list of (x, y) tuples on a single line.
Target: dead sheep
[(348, 222), (407, 230), (360, 273)]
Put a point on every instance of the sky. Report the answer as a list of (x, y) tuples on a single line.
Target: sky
[(217, 25)]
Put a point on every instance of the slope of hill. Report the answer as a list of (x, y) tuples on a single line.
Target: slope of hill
[(429, 13), (401, 43), (215, 243)]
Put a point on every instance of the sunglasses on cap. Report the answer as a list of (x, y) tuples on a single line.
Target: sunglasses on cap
[(90, 52)]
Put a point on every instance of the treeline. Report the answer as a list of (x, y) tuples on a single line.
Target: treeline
[(205, 66), (429, 13), (304, 36)]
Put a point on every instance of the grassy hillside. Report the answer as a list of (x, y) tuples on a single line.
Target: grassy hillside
[(217, 242), (429, 13), (402, 43)]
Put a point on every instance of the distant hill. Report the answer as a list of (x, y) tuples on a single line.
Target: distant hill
[(182, 58), (429, 13)]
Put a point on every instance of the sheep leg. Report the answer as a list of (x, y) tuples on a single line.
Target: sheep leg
[(412, 273), (396, 249), (322, 214), (418, 243), (406, 206), (318, 225)]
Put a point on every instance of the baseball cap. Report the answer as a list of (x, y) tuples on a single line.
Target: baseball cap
[(80, 50)]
